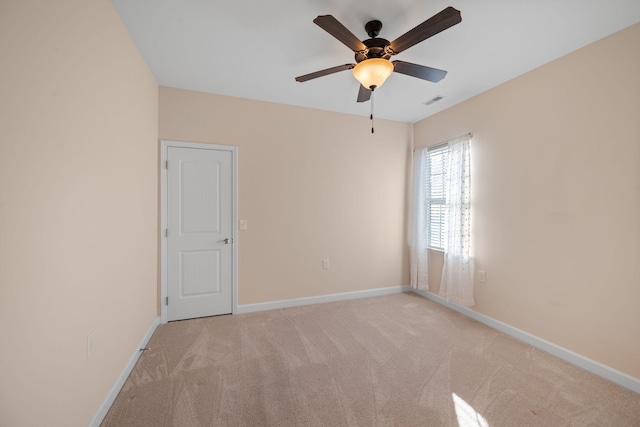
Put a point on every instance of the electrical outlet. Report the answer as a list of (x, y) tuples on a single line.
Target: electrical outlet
[(325, 263), (482, 276), (91, 343)]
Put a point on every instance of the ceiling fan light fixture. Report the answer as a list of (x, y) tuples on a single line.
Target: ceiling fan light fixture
[(373, 72)]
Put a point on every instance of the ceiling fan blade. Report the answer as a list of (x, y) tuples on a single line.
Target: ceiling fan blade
[(364, 94), (420, 71), (432, 26), (321, 73), (332, 26)]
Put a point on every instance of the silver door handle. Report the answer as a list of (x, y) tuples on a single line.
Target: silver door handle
[(226, 241)]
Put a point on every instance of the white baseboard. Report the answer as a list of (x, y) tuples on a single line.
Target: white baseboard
[(296, 302), (580, 361), (113, 393)]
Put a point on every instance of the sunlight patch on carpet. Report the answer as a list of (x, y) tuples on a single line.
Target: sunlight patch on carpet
[(467, 416)]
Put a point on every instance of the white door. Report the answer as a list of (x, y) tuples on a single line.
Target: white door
[(199, 233)]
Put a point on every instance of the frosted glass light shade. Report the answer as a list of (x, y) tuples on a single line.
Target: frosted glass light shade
[(373, 72)]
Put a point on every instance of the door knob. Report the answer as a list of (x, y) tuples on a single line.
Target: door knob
[(225, 241)]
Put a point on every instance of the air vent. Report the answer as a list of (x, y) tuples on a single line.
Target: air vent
[(433, 100)]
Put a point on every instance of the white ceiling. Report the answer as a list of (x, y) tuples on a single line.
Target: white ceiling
[(255, 49)]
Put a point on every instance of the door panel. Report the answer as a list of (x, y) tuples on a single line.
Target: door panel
[(199, 219), (200, 198), (200, 272)]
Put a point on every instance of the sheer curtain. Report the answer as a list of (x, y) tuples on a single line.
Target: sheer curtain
[(457, 273), (419, 239)]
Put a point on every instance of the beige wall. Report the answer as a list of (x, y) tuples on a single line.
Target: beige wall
[(556, 198), (78, 201), (312, 185), (78, 207)]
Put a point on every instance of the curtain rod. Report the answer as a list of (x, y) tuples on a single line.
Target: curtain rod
[(444, 142)]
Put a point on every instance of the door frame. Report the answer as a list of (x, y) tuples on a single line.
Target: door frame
[(164, 206)]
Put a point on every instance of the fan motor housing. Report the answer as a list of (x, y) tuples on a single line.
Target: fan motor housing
[(376, 48)]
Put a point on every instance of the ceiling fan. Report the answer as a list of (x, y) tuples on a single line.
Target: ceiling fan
[(372, 55)]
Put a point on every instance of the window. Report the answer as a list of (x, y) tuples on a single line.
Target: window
[(437, 160), (441, 218)]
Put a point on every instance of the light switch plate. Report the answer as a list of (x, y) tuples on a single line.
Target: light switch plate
[(243, 224)]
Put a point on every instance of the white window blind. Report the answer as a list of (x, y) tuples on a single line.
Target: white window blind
[(436, 174)]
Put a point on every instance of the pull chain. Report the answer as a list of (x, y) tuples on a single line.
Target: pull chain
[(371, 116)]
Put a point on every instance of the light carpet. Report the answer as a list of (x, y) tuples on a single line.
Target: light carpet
[(398, 360)]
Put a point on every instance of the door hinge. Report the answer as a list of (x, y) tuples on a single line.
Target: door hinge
[(166, 301), (166, 164), (166, 232)]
